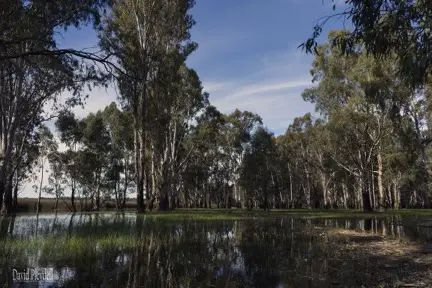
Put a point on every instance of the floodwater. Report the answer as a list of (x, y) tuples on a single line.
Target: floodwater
[(123, 250)]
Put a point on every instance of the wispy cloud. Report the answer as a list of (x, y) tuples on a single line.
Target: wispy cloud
[(271, 89), (214, 86), (264, 87)]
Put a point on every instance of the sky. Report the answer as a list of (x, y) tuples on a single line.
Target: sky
[(248, 57)]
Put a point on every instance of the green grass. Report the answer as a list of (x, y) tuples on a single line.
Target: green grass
[(239, 214)]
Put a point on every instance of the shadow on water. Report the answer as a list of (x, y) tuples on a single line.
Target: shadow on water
[(122, 250)]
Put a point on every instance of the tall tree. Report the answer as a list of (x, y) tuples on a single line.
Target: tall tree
[(70, 134), (141, 44), (47, 145)]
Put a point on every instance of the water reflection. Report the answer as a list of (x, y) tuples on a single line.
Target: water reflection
[(105, 250)]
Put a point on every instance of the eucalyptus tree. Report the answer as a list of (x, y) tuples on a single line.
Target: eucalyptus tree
[(387, 28), (70, 130), (173, 107), (28, 27), (234, 139), (362, 88), (120, 156), (25, 163), (33, 71), (96, 145), (200, 171), (258, 172), (47, 145), (57, 180), (25, 89), (142, 34)]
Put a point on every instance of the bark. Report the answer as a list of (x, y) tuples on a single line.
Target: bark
[(153, 177), (116, 195), (2, 188), (7, 199), (147, 188), (6, 207), (396, 195), (365, 195), (138, 177), (291, 187), (56, 203), (164, 200), (372, 189), (40, 188), (307, 188), (380, 184), (15, 197), (97, 207), (73, 196), (226, 196), (344, 194), (123, 203), (324, 188), (15, 192)]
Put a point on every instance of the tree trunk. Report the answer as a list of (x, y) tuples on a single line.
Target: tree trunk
[(15, 197), (140, 186), (381, 200), (164, 199), (6, 209), (324, 188), (97, 193), (40, 189), (291, 188), (138, 163), (226, 194), (117, 196), (345, 194), (56, 203), (2, 190), (307, 189), (15, 192), (365, 194), (396, 196), (73, 196)]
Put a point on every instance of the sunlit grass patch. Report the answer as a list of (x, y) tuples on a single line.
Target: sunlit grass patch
[(239, 214)]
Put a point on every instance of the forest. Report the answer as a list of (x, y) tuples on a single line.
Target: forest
[(164, 186), (164, 145)]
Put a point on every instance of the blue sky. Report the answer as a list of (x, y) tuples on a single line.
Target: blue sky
[(247, 57)]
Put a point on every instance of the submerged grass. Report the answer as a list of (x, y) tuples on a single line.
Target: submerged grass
[(71, 247), (90, 240)]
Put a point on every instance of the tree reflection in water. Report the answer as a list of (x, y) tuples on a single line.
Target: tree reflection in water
[(97, 250)]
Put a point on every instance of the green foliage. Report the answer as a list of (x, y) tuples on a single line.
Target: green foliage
[(387, 28)]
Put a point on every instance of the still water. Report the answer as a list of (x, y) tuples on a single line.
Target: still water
[(123, 250)]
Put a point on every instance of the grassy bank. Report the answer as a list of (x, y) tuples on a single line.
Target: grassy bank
[(223, 214), (236, 214)]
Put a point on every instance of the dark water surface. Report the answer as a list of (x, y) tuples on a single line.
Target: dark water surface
[(123, 250)]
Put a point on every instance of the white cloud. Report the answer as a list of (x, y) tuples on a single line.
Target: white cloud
[(271, 89), (214, 86), (99, 98)]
